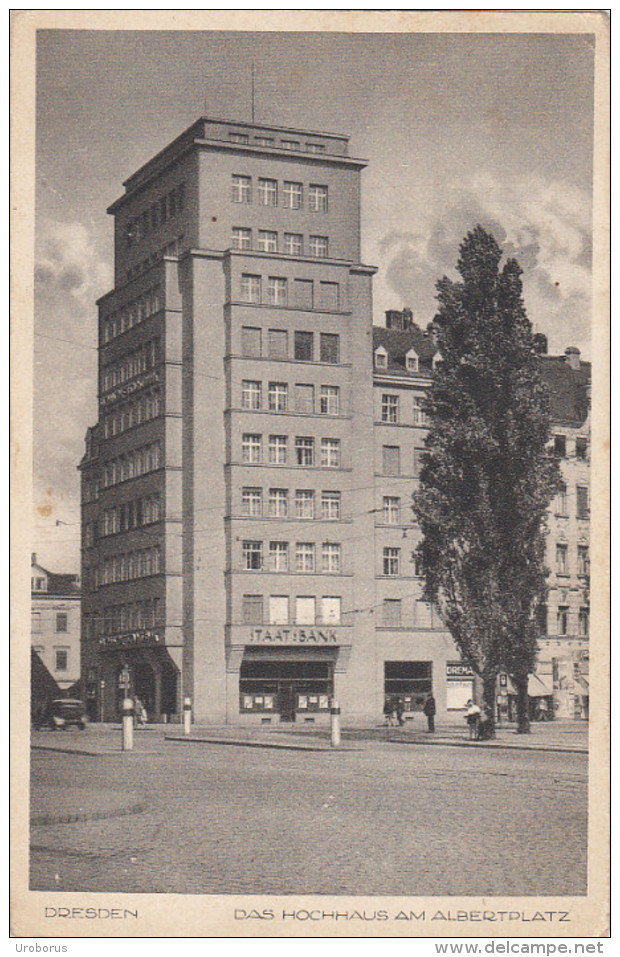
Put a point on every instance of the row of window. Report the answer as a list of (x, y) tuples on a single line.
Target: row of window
[(173, 248), (391, 410), (277, 345), (131, 315), (303, 453), (277, 558), (61, 622), (562, 566), (277, 610), (122, 568), (563, 621), (277, 503), (156, 215), (143, 409), (278, 397), (276, 291), (285, 144), (289, 195), (139, 360), (267, 242), (130, 515), (141, 614), (132, 464), (392, 462), (581, 447), (583, 502)]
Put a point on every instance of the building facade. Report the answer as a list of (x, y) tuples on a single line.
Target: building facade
[(55, 622), (247, 533)]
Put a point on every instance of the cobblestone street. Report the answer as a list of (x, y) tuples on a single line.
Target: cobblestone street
[(382, 819)]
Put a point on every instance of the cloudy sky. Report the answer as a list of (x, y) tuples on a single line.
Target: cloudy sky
[(458, 129)]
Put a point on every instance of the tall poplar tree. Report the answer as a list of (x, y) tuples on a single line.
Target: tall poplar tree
[(489, 474)]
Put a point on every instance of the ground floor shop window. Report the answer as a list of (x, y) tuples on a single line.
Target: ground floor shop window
[(412, 681), (285, 688)]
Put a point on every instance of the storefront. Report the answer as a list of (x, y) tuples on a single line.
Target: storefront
[(137, 665), (459, 685), (410, 681)]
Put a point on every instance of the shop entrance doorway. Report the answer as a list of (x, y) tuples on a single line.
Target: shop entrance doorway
[(292, 690)]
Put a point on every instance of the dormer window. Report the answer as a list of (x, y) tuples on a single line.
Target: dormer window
[(380, 358), (411, 361), (437, 359)]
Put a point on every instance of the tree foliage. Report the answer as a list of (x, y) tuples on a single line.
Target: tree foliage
[(489, 475)]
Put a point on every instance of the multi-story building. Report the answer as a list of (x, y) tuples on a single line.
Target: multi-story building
[(247, 535), (55, 622)]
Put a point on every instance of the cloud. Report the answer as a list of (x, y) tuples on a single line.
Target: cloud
[(69, 277), (545, 225)]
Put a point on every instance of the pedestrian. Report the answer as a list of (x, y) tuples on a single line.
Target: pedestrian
[(400, 710), (430, 710), (472, 716), (484, 721), (388, 712), (140, 712)]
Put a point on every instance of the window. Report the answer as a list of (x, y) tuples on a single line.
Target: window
[(583, 560), (561, 555), (304, 557), (263, 140), (562, 620), (304, 503), (293, 244), (304, 294), (267, 241), (411, 363), (583, 502), (331, 610), (61, 621), (541, 620), (36, 622), (252, 501), (319, 246), (391, 460), (317, 198), (330, 296), (330, 348), (289, 144), (381, 359), (278, 396), (238, 137), (560, 500), (277, 344), (304, 398), (392, 612), (559, 445), (252, 556), (331, 558), (330, 400), (277, 291), (292, 197), (389, 408), (250, 288), (278, 556), (305, 613), (267, 192), (330, 453), (304, 346), (584, 622), (391, 561), (250, 342), (278, 502), (391, 510), (277, 449), (61, 659), (304, 450), (250, 394), (581, 449), (330, 506), (278, 609), (252, 609), (423, 614), (241, 189), (250, 448)]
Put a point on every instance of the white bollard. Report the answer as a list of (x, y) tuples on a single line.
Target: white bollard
[(187, 715), (335, 717), (128, 713)]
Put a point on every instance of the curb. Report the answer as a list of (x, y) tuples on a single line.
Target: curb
[(41, 819), (492, 745), (59, 750), (278, 746)]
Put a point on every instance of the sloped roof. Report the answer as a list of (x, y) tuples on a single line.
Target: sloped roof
[(58, 584), (398, 342), (568, 390)]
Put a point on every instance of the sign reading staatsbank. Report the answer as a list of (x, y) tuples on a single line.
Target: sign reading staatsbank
[(293, 636)]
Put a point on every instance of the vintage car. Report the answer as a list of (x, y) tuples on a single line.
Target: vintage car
[(62, 713)]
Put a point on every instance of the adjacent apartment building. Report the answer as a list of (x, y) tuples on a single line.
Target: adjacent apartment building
[(247, 532), (55, 622)]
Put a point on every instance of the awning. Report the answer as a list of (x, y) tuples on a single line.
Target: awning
[(537, 686), (582, 686)]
